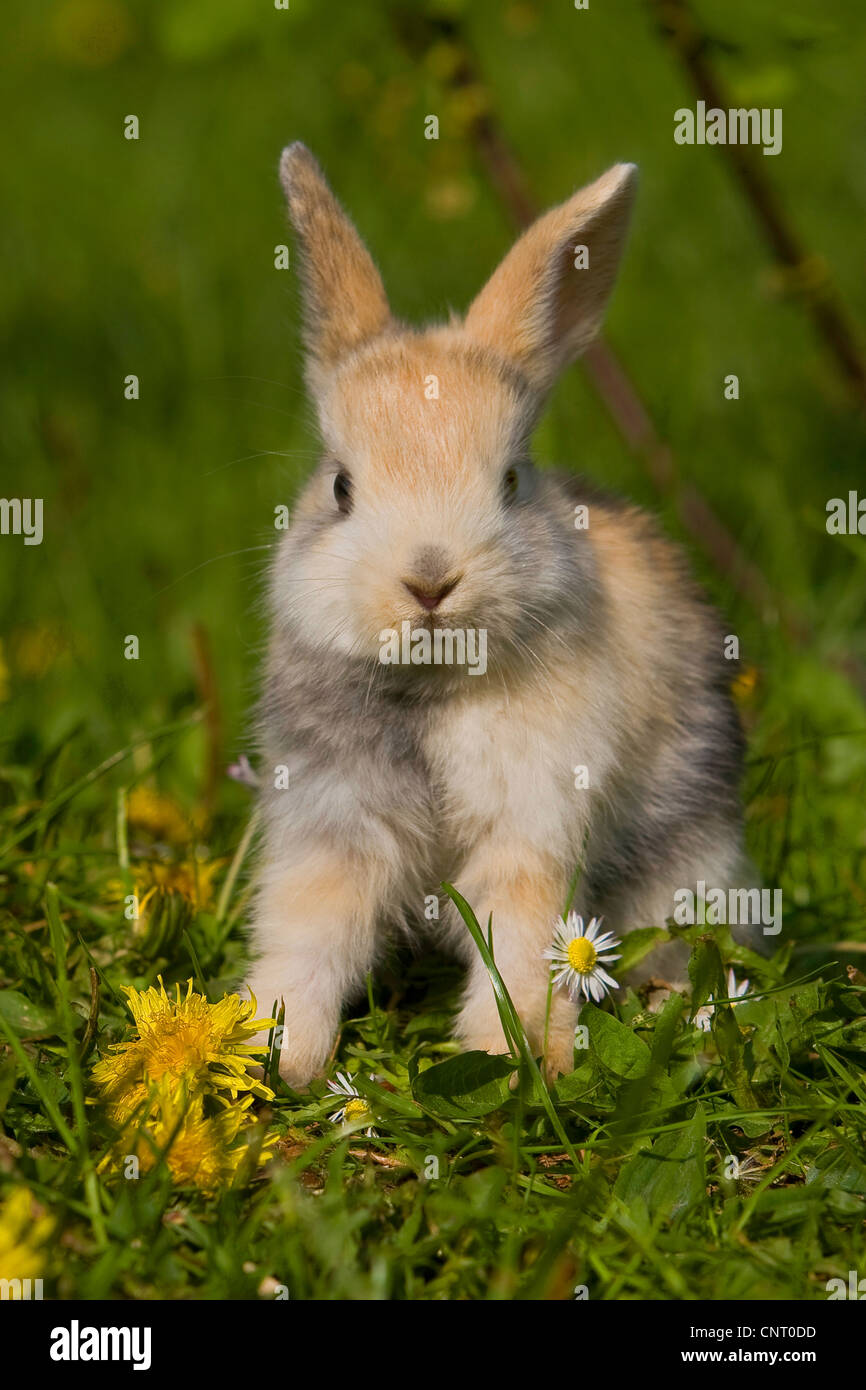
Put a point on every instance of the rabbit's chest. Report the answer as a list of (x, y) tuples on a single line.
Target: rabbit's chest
[(496, 765)]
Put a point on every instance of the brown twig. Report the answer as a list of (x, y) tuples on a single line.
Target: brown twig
[(803, 271), (92, 1018), (607, 374)]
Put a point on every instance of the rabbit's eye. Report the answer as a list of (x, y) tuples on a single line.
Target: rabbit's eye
[(343, 492), (510, 483)]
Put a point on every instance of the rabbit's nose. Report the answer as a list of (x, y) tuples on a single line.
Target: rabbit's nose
[(430, 595), (429, 582)]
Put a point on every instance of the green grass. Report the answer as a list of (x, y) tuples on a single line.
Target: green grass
[(156, 257), (620, 1180)]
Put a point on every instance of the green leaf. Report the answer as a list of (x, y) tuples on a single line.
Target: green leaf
[(835, 1169), (637, 944), (667, 1022), (50, 1084), (705, 973), (729, 1041), (780, 1042), (465, 1087), (754, 1129), (615, 1046), (671, 1176), (436, 1022), (576, 1084), (28, 1019)]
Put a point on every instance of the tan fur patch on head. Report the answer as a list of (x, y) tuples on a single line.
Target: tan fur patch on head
[(416, 407)]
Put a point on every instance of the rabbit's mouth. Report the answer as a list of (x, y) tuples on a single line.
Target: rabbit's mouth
[(431, 644)]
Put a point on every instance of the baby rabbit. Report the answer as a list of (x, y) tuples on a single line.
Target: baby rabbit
[(425, 515)]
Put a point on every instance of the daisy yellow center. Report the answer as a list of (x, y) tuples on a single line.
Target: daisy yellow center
[(356, 1108), (582, 955)]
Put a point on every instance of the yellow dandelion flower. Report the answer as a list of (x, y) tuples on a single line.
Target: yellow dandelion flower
[(205, 1045), (190, 878), (207, 1151), (158, 816), (160, 921), (204, 1152), (129, 1096), (167, 897), (24, 1232)]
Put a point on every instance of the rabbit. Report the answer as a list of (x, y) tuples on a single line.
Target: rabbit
[(426, 512)]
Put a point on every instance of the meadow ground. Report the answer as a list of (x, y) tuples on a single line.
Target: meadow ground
[(156, 258)]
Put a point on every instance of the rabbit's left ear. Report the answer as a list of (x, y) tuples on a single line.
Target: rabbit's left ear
[(344, 299), (545, 302)]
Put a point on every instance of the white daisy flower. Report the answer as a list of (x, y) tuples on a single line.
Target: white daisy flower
[(578, 956), (703, 1019), (736, 991), (355, 1107)]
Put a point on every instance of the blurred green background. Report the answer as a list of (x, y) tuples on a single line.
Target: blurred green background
[(156, 257)]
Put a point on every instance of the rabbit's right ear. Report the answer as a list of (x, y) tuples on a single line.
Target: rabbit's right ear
[(344, 299)]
